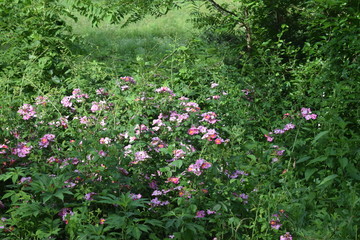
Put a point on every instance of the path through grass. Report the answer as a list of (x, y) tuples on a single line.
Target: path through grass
[(149, 39)]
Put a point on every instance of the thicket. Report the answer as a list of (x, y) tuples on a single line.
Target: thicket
[(250, 131)]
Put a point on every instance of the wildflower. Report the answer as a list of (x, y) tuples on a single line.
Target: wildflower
[(135, 196), (22, 150), (102, 221), (209, 212), (209, 117), (269, 138), (25, 180), (64, 212), (213, 85), (89, 196), (84, 120), (27, 111), (140, 156), (3, 148), (218, 140), (216, 97), (307, 114), (286, 236), (66, 101), (46, 139), (40, 100), (289, 126), (275, 223), (105, 140), (128, 79), (125, 87), (175, 180), (153, 185), (200, 214), (191, 107), (179, 153), (165, 89), (279, 131), (171, 236), (210, 134), (156, 193)]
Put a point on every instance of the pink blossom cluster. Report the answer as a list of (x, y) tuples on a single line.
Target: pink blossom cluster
[(140, 129), (209, 117), (156, 202), (3, 148), (22, 150), (190, 106), (128, 79), (157, 143), (98, 106), (41, 100), (199, 165), (287, 127), (275, 222), (174, 116), (76, 94), (235, 174), (45, 140), (101, 91), (165, 90), (307, 114), (89, 196), (27, 111), (140, 157), (286, 236), (105, 140), (175, 180), (64, 213), (135, 196), (202, 213)]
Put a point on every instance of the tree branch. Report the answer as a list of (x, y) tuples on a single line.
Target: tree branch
[(221, 9)]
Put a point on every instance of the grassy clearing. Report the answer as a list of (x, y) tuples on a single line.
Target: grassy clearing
[(148, 39)]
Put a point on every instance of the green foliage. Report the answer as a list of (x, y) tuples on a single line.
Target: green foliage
[(247, 132)]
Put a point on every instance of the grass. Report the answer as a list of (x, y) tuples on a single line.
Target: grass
[(149, 39)]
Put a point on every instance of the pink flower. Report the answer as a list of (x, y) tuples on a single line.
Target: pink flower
[(89, 196), (40, 100), (140, 156), (209, 117), (307, 114), (175, 180), (216, 97), (46, 139), (200, 214), (213, 85), (269, 138), (286, 236), (102, 221), (105, 140), (128, 79), (135, 196), (27, 111), (275, 223), (219, 141), (22, 150), (193, 131), (165, 89)]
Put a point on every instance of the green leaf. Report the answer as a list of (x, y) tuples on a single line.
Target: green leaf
[(177, 163), (309, 172), (320, 135), (318, 159), (252, 157), (327, 179), (303, 159), (343, 162)]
